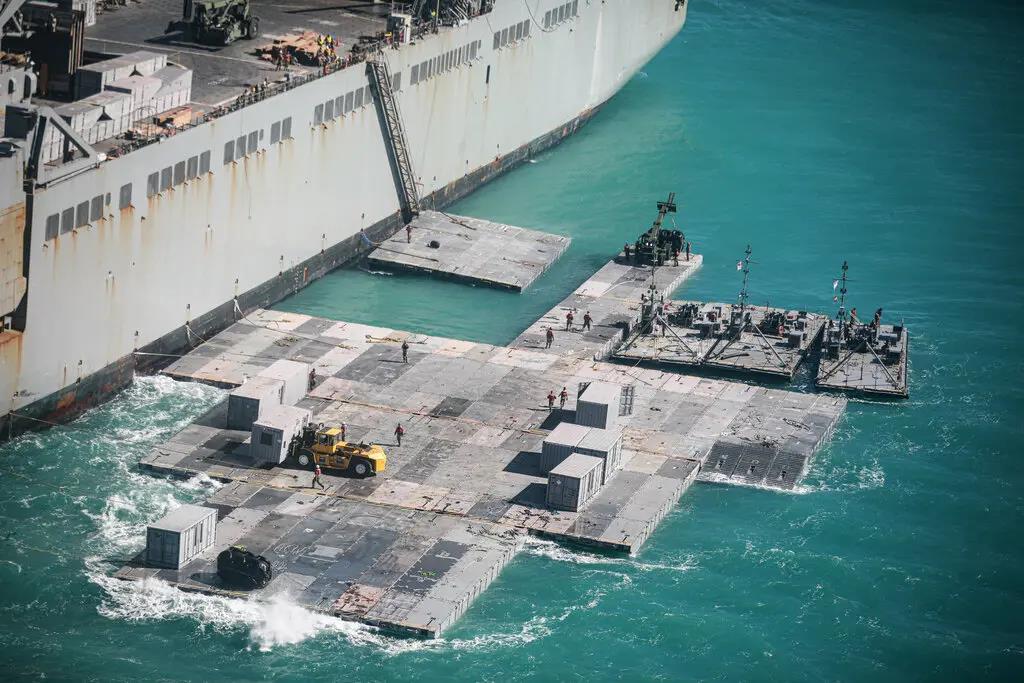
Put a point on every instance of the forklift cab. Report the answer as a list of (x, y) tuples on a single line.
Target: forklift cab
[(327, 440)]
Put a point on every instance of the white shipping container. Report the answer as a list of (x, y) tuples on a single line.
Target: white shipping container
[(249, 402), (605, 444), (598, 405), (273, 433), (574, 482), (295, 376), (180, 536), (560, 444)]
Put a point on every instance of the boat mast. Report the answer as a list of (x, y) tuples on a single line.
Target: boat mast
[(743, 292), (841, 315)]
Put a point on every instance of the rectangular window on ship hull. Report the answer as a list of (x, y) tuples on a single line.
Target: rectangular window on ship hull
[(179, 173), (286, 129), (152, 184), (497, 40), (240, 150), (254, 141), (67, 220), (275, 132), (339, 104), (547, 19), (96, 208), (82, 215), (575, 8), (414, 74), (348, 101), (526, 29), (52, 226), (229, 151), (328, 110), (124, 200), (318, 114), (192, 168), (165, 179), (204, 163)]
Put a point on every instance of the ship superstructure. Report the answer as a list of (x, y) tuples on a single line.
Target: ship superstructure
[(254, 179)]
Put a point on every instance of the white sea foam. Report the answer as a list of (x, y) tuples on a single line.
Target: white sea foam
[(718, 478), (559, 553)]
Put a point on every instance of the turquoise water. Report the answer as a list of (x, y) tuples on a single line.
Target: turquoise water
[(885, 133)]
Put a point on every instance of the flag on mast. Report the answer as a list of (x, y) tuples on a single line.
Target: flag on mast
[(835, 283), (739, 265)]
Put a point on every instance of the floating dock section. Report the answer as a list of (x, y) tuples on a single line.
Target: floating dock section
[(773, 343), (863, 360), (410, 548), (471, 250)]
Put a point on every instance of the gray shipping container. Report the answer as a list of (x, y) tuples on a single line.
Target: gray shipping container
[(605, 444), (272, 434), (181, 536), (574, 482), (295, 376), (247, 403), (598, 405), (560, 444)]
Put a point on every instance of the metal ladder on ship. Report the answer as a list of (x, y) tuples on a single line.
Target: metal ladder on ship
[(380, 75)]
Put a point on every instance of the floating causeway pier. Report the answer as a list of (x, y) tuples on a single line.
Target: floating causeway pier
[(410, 548), (471, 250)]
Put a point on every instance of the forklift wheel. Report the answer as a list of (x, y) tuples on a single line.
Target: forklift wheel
[(304, 459), (361, 468)]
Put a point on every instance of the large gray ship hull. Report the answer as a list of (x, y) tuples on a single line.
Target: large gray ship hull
[(175, 265)]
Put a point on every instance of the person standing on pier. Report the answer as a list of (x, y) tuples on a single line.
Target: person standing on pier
[(675, 256), (568, 321), (587, 320), (854, 320), (687, 251), (549, 337), (625, 250), (551, 400), (408, 234), (316, 479), (312, 379), (342, 427), (562, 398), (405, 352), (398, 433)]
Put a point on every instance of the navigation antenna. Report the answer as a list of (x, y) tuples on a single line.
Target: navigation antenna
[(745, 265), (841, 316)]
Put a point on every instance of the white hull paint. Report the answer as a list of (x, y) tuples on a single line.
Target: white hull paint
[(100, 292)]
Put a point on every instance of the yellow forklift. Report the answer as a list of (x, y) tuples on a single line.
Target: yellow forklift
[(322, 445)]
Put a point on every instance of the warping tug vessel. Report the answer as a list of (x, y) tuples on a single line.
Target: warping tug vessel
[(155, 188)]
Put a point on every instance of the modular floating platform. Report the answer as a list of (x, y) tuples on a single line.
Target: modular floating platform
[(411, 548), (470, 250)]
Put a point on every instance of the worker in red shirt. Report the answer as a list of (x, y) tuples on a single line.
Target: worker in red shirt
[(398, 433), (551, 400), (562, 398), (316, 478), (550, 337), (568, 321), (587, 320)]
